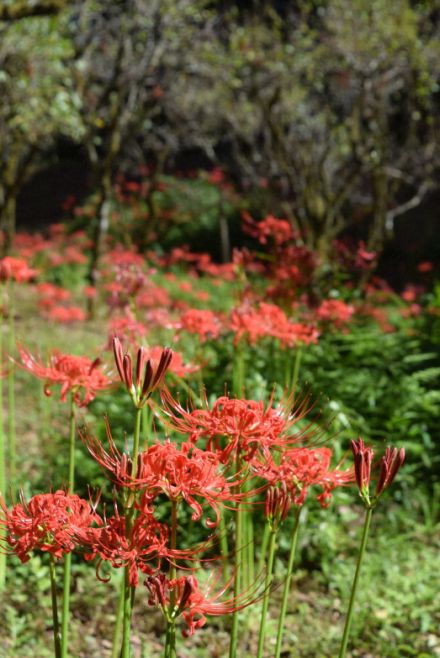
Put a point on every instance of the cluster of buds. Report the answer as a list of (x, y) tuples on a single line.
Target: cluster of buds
[(145, 378), (390, 464), (277, 505)]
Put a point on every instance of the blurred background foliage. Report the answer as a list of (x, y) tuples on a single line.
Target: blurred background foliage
[(323, 111)]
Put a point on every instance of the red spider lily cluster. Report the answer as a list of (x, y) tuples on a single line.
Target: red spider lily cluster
[(234, 453), (55, 523), (234, 458), (16, 269), (78, 375)]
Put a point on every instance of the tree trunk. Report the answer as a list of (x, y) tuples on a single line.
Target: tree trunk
[(377, 233)]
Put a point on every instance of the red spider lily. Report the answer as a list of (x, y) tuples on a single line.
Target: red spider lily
[(146, 377), (180, 472), (51, 294), (143, 550), (177, 366), (336, 311), (363, 459), (193, 603), (66, 314), (277, 505), (301, 468), (269, 320), (390, 464), (16, 269), (152, 296), (74, 373), (127, 328), (246, 426), (187, 473), (48, 522), (278, 230), (426, 266), (204, 323)]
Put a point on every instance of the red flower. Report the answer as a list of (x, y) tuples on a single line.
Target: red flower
[(201, 322), (235, 424), (180, 472), (16, 269), (363, 459), (74, 373), (147, 544), (146, 377), (193, 603), (187, 473), (278, 230), (48, 522), (426, 266), (277, 505), (390, 464), (66, 314), (269, 320), (301, 468), (336, 311)]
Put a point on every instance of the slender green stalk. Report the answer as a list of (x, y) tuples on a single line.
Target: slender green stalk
[(264, 545), (11, 402), (238, 370), (118, 622), (224, 548), (296, 367), (129, 591), (238, 569), (2, 465), (147, 423), (53, 592), (266, 596), (68, 557), (286, 591), (170, 638), (350, 611), (250, 548)]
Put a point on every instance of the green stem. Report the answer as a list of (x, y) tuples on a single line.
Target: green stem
[(350, 611), (2, 465), (266, 597), (136, 435), (296, 367), (264, 545), (129, 591), (147, 423), (238, 569), (68, 557), (224, 548), (53, 592), (238, 371), (286, 591), (118, 622), (170, 638), (11, 404)]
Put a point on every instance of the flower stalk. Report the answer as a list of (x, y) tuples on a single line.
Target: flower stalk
[(267, 589), (349, 617), (129, 591), (286, 590), (68, 556), (55, 620)]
